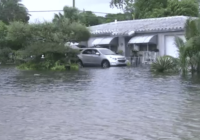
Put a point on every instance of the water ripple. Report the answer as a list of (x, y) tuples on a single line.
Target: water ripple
[(101, 104)]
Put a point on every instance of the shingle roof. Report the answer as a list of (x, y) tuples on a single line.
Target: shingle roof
[(175, 23)]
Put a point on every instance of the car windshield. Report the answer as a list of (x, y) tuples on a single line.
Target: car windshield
[(107, 52)]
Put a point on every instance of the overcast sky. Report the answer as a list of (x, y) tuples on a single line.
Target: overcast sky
[(41, 5)]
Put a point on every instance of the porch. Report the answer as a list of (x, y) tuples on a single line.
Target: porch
[(143, 49)]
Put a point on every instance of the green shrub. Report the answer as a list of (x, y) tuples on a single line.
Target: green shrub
[(74, 67), (29, 66), (47, 64), (128, 63), (164, 64), (58, 68)]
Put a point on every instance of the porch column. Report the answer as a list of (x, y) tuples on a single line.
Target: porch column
[(146, 53)]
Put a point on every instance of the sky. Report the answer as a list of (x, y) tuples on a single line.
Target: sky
[(42, 5)]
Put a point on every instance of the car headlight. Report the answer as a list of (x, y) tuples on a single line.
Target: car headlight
[(113, 58)]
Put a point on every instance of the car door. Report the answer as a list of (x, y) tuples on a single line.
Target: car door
[(86, 56), (96, 58)]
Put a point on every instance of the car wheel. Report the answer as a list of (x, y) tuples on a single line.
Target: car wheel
[(105, 64), (80, 64)]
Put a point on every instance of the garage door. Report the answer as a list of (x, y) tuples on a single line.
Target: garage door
[(171, 48)]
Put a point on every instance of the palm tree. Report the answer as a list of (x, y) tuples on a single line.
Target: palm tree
[(117, 3), (13, 10), (58, 17), (189, 52), (70, 13)]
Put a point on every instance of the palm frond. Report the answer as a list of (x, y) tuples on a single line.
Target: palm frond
[(165, 63), (190, 29)]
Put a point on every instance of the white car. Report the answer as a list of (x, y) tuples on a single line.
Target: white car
[(100, 57)]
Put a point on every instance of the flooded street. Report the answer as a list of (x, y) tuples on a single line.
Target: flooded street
[(98, 104)]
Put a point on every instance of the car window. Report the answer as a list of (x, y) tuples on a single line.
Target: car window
[(87, 52), (107, 52), (94, 52), (90, 51)]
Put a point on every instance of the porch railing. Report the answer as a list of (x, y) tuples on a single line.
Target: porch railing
[(145, 57)]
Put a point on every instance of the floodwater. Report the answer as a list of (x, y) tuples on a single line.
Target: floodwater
[(98, 104)]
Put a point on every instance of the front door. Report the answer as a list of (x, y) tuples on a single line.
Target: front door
[(96, 57), (86, 56)]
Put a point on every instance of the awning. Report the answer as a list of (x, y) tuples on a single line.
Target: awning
[(97, 41), (106, 40), (146, 39), (103, 41)]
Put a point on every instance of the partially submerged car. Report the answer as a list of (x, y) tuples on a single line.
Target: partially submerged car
[(100, 57)]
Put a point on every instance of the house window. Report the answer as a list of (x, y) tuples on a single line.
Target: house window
[(143, 47), (152, 47)]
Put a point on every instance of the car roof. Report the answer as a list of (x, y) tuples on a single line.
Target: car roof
[(96, 48)]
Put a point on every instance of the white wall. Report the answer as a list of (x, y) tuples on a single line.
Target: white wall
[(121, 45)]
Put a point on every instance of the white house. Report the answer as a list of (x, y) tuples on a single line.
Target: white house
[(144, 35)]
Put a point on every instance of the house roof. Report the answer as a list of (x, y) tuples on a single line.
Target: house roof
[(130, 27)]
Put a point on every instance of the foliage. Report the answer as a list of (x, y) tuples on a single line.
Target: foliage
[(157, 8), (58, 66), (71, 13), (118, 17), (4, 54), (3, 31), (89, 19), (28, 66), (13, 10), (189, 52), (128, 63), (19, 33), (74, 67), (74, 15), (46, 39), (5, 50), (121, 3), (183, 7), (164, 64), (66, 31), (146, 9), (28, 42), (182, 55)]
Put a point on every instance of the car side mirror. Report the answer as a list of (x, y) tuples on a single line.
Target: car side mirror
[(97, 53)]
